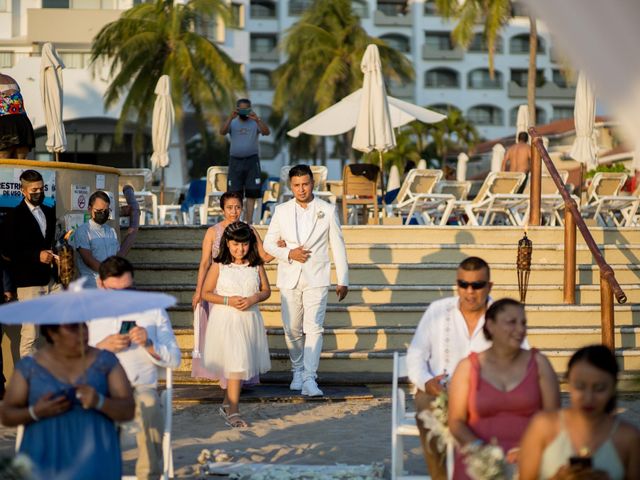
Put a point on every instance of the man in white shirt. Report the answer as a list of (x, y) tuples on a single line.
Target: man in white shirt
[(449, 330), (145, 346), (308, 226)]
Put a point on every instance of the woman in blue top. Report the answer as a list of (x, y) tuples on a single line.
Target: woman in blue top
[(68, 395), (16, 132)]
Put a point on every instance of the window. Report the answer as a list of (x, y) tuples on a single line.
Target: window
[(520, 76), (75, 59), (479, 44), (486, 115), (430, 8), (560, 79), (237, 15), (444, 108), (263, 43), (391, 8), (438, 41), (260, 80), (441, 78), (263, 111), (520, 44), (6, 59), (518, 9), (55, 3), (541, 116), (397, 42), (360, 8), (297, 7), (262, 9), (562, 111), (480, 78)]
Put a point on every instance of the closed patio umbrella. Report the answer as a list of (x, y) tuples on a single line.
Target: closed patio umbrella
[(161, 126), (373, 127), (522, 120), (461, 170), (51, 90), (585, 146), (497, 155)]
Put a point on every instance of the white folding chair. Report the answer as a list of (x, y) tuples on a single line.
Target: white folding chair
[(403, 422), (216, 186)]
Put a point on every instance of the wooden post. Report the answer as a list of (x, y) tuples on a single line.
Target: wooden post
[(569, 257), (535, 181), (606, 313)]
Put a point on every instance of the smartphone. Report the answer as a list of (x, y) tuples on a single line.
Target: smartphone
[(126, 327), (584, 462)]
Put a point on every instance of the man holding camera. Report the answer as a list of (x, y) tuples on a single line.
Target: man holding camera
[(244, 128), (142, 342)]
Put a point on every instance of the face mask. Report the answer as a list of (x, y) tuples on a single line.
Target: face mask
[(36, 199), (101, 217), (244, 112)]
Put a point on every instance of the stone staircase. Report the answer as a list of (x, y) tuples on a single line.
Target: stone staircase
[(396, 271)]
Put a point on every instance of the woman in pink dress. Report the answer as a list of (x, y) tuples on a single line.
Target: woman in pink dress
[(231, 205), (494, 394)]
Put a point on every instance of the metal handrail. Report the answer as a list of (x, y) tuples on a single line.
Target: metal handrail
[(609, 286)]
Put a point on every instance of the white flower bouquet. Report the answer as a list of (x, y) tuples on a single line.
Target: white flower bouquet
[(436, 421), (486, 462)]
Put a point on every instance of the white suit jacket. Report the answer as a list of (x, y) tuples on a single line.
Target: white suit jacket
[(325, 232)]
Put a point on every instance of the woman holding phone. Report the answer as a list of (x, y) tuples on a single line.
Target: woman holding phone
[(587, 440)]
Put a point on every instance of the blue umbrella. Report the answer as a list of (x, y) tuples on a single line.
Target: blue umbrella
[(78, 305)]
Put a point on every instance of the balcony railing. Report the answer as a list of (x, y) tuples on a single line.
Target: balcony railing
[(548, 90), (265, 55), (432, 53), (381, 19)]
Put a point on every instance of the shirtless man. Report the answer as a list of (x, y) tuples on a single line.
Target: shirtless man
[(518, 157)]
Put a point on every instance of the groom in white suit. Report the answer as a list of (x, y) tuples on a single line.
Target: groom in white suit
[(309, 226)]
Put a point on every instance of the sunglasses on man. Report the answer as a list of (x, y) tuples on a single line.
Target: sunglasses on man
[(474, 285)]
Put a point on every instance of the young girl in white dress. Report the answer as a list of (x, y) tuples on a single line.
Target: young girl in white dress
[(235, 340)]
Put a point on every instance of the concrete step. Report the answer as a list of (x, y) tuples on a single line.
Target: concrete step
[(403, 274), (414, 234), (421, 294), (381, 361), (408, 315), (399, 338), (411, 253)]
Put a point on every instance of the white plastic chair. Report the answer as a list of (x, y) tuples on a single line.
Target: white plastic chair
[(216, 186), (403, 422), (140, 179)]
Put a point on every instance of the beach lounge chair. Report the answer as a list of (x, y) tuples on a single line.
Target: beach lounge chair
[(403, 422), (417, 198), (551, 202), (216, 186), (497, 198), (603, 202)]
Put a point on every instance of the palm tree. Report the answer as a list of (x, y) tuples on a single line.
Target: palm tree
[(453, 133), (494, 14), (166, 37), (324, 50)]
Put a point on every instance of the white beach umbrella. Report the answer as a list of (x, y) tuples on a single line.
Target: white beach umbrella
[(422, 164), (51, 90), (394, 178), (461, 169), (343, 116), (585, 146), (522, 120), (497, 155)]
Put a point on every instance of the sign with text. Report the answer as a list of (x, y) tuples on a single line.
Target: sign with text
[(10, 194), (80, 197)]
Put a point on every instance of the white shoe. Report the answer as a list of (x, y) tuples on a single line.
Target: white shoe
[(310, 388), (296, 383)]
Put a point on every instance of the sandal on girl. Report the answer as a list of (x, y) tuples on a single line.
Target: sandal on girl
[(222, 411), (235, 421)]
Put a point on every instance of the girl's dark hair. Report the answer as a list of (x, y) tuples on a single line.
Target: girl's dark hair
[(242, 233), (493, 311), (603, 359), (227, 195)]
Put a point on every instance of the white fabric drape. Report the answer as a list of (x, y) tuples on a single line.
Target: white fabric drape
[(162, 123), (497, 155), (51, 90), (585, 146)]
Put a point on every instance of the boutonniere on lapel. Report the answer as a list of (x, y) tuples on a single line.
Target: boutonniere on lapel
[(320, 214)]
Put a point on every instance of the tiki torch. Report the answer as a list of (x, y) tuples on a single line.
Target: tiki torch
[(525, 247)]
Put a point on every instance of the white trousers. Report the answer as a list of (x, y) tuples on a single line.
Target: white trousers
[(303, 310)]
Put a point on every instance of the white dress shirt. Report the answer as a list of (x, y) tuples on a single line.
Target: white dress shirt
[(441, 340), (141, 368), (304, 220), (38, 214)]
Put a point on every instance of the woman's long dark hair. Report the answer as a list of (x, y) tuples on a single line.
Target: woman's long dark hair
[(242, 233), (603, 359)]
